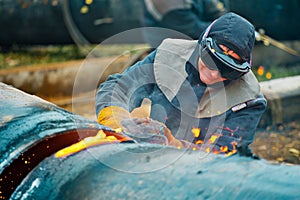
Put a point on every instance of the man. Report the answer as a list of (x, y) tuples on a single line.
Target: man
[(189, 17), (205, 85)]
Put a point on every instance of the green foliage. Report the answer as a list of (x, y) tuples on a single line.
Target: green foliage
[(24, 56), (276, 72)]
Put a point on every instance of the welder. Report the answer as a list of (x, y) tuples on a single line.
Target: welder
[(205, 84)]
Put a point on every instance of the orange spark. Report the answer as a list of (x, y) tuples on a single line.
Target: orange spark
[(196, 132), (231, 153), (199, 142), (215, 151), (213, 138), (224, 148)]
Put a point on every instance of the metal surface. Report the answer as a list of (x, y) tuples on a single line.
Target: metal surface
[(32, 129), (32, 22), (64, 21), (144, 171)]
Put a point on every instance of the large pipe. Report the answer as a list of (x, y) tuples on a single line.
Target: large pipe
[(62, 21), (32, 22), (147, 171), (32, 130)]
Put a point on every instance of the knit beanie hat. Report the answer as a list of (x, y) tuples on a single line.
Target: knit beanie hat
[(235, 32)]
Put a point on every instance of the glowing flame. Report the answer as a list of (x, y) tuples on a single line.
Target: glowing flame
[(196, 132), (215, 151), (194, 148), (199, 142), (207, 150), (224, 148), (213, 138), (118, 130), (234, 150), (228, 150), (100, 138)]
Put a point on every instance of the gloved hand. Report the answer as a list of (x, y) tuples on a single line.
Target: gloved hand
[(143, 111), (152, 131), (138, 124), (113, 115), (144, 130), (245, 150)]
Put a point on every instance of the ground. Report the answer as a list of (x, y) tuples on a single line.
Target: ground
[(279, 144)]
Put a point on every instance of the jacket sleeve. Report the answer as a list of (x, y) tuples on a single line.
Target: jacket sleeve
[(241, 124), (121, 89)]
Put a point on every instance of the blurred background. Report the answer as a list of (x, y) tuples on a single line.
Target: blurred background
[(43, 43), (46, 31), (49, 31)]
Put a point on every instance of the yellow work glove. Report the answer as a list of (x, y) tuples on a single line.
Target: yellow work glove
[(143, 111), (113, 115)]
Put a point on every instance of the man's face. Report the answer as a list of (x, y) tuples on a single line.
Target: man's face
[(207, 75)]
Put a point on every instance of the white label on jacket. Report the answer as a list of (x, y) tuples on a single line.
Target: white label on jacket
[(239, 107)]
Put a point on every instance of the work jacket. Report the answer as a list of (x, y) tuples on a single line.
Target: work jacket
[(169, 77)]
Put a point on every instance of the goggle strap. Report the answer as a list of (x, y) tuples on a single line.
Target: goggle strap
[(207, 31)]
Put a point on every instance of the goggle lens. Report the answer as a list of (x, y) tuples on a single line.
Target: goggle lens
[(228, 67)]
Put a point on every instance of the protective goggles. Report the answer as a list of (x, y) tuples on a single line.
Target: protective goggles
[(229, 68)]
